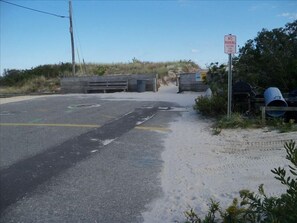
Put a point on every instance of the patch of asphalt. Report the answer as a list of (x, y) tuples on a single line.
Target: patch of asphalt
[(35, 170), (113, 185), (20, 142)]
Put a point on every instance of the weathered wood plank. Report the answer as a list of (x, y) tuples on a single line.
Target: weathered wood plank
[(68, 83), (273, 108)]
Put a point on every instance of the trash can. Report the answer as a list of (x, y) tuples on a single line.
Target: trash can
[(141, 84), (273, 97)]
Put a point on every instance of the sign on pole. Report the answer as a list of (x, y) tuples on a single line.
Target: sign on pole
[(197, 76), (230, 44), (229, 48)]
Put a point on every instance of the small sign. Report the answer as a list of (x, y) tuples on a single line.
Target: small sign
[(230, 44), (197, 76)]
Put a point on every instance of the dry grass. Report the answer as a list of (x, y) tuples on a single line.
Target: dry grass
[(137, 67), (35, 85), (45, 78)]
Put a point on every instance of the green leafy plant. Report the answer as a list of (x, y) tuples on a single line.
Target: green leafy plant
[(192, 217), (213, 107)]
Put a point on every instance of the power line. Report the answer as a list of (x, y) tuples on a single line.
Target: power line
[(35, 10)]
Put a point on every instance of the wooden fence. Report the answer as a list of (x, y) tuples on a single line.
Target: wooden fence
[(190, 82), (79, 84)]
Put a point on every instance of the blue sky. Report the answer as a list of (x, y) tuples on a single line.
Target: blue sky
[(118, 31)]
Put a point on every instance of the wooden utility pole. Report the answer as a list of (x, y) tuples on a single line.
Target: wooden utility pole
[(72, 40)]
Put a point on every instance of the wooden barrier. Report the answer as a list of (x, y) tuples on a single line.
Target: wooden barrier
[(108, 85), (81, 84), (272, 108), (189, 82)]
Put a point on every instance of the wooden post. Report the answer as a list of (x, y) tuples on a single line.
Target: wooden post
[(72, 39), (263, 112)]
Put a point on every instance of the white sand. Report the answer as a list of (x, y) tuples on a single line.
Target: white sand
[(199, 166)]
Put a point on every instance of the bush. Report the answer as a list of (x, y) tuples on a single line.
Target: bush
[(259, 208), (101, 70), (214, 106)]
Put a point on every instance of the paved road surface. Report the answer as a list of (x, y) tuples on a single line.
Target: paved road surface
[(80, 158)]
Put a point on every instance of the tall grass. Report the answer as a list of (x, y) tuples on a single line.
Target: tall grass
[(34, 85), (139, 67), (45, 78)]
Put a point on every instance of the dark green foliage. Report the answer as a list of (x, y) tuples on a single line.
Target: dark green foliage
[(12, 77), (270, 59), (217, 104), (260, 208), (217, 79), (214, 106), (17, 77)]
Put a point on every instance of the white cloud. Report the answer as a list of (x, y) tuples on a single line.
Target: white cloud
[(289, 15), (194, 50)]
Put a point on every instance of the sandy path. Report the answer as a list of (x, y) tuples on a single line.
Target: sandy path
[(199, 166)]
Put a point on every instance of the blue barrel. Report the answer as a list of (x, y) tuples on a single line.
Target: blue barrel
[(273, 97), (141, 85)]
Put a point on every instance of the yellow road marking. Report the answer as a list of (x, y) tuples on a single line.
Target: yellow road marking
[(152, 128), (51, 125), (147, 128)]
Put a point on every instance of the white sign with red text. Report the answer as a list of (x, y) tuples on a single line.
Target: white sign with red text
[(230, 44)]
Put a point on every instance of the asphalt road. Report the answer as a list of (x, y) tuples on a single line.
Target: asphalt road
[(79, 158)]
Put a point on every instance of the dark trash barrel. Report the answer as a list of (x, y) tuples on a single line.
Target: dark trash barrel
[(273, 97), (141, 85), (242, 87), (243, 95)]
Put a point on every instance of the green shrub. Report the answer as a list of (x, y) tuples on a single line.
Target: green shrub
[(101, 70), (259, 208), (214, 106)]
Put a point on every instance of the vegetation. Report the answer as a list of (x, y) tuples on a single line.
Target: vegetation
[(268, 60), (259, 207), (212, 107), (143, 67), (22, 81), (281, 125), (33, 85)]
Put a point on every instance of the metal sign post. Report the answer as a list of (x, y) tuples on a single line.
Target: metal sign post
[(229, 86), (229, 48)]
